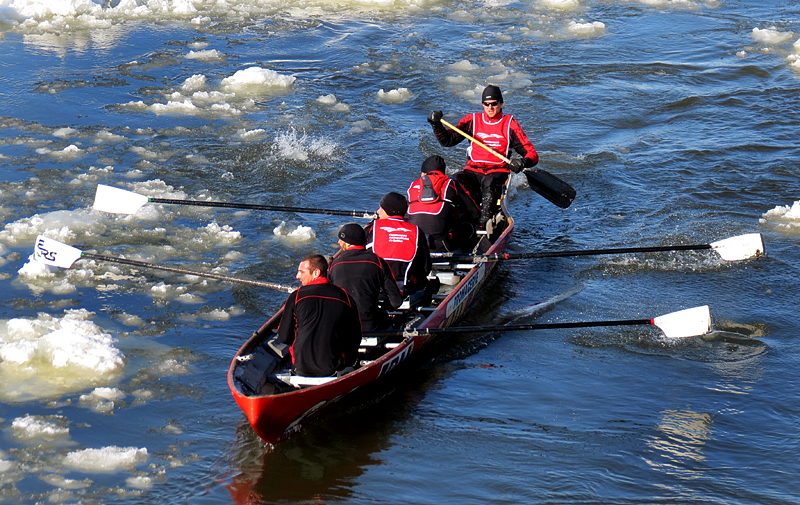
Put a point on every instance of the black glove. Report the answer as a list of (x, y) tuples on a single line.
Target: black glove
[(516, 165), (435, 118)]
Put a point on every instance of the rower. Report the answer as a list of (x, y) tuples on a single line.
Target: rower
[(442, 208), (402, 244), (365, 276), (485, 173), (320, 322)]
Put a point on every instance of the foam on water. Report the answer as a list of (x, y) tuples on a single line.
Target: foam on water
[(290, 145), (49, 356)]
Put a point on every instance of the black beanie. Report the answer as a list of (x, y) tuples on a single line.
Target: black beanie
[(353, 234), (433, 164), (394, 204), (492, 93)]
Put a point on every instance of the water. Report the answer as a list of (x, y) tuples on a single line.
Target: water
[(674, 120)]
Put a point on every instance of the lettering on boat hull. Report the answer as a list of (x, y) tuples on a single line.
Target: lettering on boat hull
[(392, 364), (463, 295)]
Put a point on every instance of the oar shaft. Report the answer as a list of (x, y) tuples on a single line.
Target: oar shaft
[(539, 326), (473, 139), (251, 206), (557, 254), (262, 284)]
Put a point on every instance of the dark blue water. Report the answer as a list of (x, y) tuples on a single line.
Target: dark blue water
[(675, 121)]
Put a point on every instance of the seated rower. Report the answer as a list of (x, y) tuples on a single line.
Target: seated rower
[(442, 208), (320, 322), (365, 276), (402, 244)]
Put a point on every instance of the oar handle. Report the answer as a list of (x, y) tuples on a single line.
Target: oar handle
[(262, 284), (252, 206), (473, 139), (557, 254), (518, 327)]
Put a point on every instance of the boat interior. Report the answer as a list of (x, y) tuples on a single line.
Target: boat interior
[(264, 368)]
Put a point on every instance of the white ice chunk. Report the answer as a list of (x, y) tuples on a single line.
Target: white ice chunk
[(106, 459)]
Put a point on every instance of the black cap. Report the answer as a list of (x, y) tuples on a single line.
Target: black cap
[(492, 93), (394, 204), (353, 234), (433, 164)]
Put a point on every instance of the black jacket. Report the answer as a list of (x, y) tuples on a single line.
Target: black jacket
[(320, 322), (364, 275)]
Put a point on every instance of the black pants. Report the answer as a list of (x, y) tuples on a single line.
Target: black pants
[(485, 189), (478, 184)]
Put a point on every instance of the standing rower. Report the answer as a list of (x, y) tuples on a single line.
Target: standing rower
[(485, 173)]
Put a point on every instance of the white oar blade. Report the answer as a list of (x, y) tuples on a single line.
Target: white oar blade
[(117, 201), (685, 323), (739, 248), (53, 252)]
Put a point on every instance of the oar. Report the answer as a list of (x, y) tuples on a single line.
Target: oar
[(120, 201), (543, 182), (737, 248), (684, 323), (53, 252)]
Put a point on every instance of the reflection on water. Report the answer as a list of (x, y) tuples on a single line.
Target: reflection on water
[(323, 464), (681, 436)]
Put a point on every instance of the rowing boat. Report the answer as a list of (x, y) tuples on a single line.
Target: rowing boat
[(277, 405)]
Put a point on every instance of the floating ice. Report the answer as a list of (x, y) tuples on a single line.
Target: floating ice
[(65, 132), (464, 66), (400, 95), (583, 28), (301, 234), (205, 55), (59, 225), (47, 427), (60, 481), (47, 356), (107, 459), (107, 136), (194, 83), (327, 99), (255, 78), (771, 35), (562, 5), (250, 134), (140, 482), (783, 217)]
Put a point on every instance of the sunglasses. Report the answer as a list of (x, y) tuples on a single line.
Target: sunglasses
[(491, 104)]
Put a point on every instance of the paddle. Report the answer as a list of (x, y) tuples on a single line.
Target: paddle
[(737, 248), (53, 252), (120, 201), (684, 323), (541, 181)]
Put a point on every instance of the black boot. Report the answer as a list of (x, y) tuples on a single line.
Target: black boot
[(487, 210)]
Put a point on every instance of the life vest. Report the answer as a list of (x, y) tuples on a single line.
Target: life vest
[(494, 134), (427, 195), (394, 239)]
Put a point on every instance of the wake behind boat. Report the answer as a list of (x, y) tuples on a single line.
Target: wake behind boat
[(278, 404)]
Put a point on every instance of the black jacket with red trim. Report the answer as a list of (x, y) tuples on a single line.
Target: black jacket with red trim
[(365, 275), (320, 322)]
